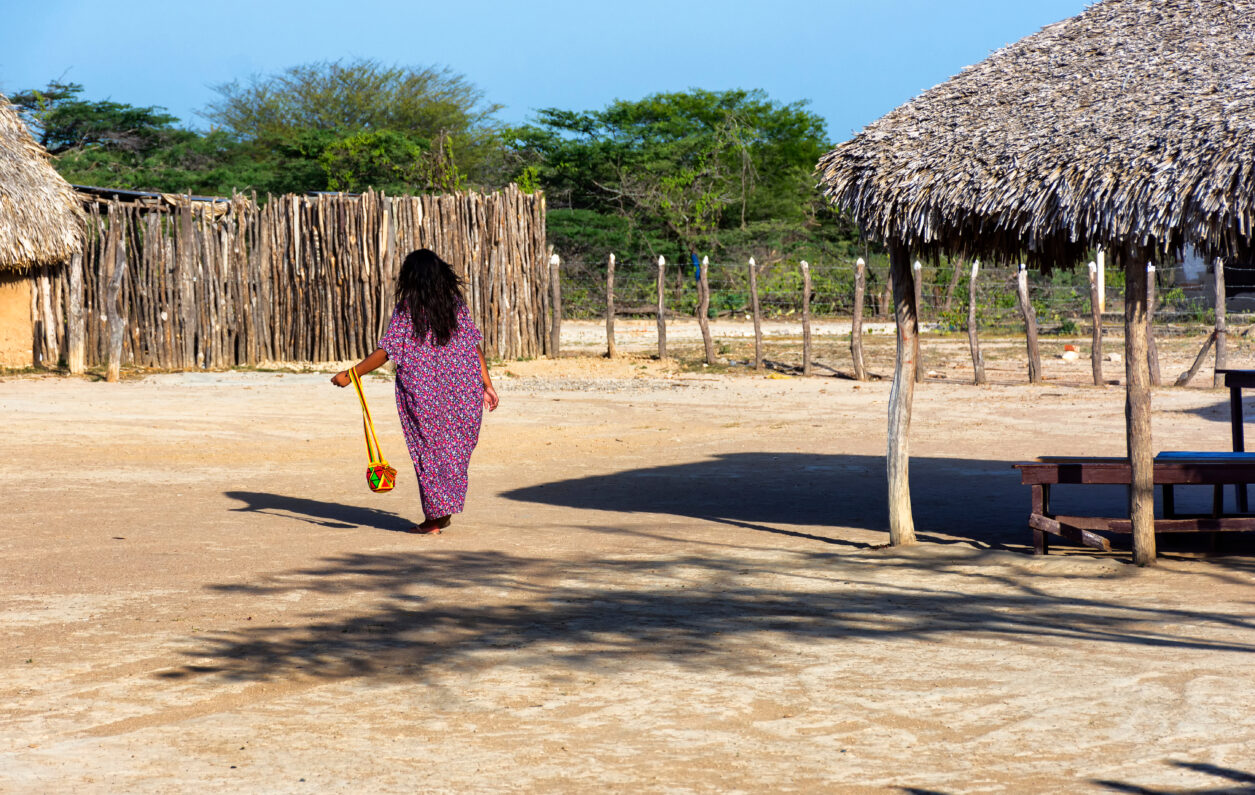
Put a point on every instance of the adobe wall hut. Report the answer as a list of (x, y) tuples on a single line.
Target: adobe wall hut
[(40, 224), (1130, 126)]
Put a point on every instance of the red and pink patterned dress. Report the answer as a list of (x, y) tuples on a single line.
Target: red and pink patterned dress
[(440, 397)]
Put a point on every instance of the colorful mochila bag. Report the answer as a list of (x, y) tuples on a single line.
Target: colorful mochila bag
[(379, 476)]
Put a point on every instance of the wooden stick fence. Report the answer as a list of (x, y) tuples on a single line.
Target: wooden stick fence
[(173, 283)]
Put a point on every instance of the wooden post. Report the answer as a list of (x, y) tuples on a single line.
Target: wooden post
[(1102, 280), (1137, 410), (662, 307), (919, 302), (1152, 353), (555, 287), (703, 309), (113, 303), (1222, 332), (856, 328), (758, 317), (954, 283), (610, 349), (806, 318), (897, 454), (75, 333), (1185, 377), (1095, 316), (978, 361), (1030, 325)]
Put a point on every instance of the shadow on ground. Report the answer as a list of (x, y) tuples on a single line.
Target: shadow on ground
[(318, 512), (1235, 782), (401, 615), (978, 501)]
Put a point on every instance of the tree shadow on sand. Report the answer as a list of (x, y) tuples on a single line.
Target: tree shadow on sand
[(1236, 781), (414, 612)]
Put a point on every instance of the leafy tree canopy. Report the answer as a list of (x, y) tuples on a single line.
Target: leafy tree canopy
[(347, 99), (62, 121), (694, 162)]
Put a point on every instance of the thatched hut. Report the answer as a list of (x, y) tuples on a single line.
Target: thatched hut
[(40, 224), (1130, 126)]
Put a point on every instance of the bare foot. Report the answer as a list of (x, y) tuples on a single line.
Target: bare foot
[(431, 527)]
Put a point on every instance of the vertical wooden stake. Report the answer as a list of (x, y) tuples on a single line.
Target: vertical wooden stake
[(555, 287), (662, 307), (856, 328), (806, 318), (1095, 315), (919, 303), (978, 361), (758, 317), (1152, 353), (75, 333), (1137, 410), (1030, 325), (117, 231), (1102, 280), (703, 309), (897, 453), (1222, 331), (610, 349)]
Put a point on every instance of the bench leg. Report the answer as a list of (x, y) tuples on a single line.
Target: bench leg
[(1041, 505)]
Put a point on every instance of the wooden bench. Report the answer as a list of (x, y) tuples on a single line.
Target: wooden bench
[(1171, 469)]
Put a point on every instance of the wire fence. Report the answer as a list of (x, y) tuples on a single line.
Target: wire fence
[(1061, 298)]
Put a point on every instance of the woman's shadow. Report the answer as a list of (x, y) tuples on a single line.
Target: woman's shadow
[(323, 514)]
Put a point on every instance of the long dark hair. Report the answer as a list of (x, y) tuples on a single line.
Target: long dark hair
[(431, 292)]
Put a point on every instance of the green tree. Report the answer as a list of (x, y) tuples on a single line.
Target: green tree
[(62, 121), (347, 99), (693, 164)]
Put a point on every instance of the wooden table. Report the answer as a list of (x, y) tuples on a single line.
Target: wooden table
[(1171, 469)]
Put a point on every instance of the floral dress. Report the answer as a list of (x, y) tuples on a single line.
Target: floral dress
[(440, 397)]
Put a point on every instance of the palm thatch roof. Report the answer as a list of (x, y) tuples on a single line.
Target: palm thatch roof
[(1131, 124), (40, 217)]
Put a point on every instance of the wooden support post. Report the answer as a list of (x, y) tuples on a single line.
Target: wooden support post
[(1101, 255), (1185, 377), (611, 352), (662, 307), (856, 328), (1137, 410), (1152, 353), (1222, 332), (113, 302), (1095, 317), (75, 333), (758, 317), (703, 309), (806, 318), (897, 454), (918, 282), (978, 361), (555, 287), (954, 283), (1030, 325)]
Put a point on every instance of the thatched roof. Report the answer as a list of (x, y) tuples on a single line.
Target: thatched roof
[(1130, 124), (40, 217)]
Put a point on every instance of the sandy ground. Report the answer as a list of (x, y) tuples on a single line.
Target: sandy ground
[(667, 580)]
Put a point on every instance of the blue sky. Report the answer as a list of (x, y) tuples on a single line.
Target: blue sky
[(854, 60)]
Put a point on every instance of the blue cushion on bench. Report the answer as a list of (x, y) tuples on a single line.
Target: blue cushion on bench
[(1222, 457)]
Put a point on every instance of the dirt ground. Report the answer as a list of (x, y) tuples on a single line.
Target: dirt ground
[(667, 580)]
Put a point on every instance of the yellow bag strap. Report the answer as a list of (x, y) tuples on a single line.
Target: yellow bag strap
[(368, 426)]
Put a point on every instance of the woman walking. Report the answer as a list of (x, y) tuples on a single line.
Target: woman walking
[(442, 381)]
